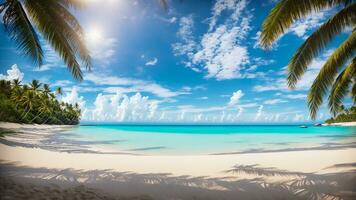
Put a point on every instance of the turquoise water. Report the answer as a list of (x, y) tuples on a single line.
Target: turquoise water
[(183, 140)]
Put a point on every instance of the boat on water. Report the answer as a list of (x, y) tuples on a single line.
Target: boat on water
[(303, 126)]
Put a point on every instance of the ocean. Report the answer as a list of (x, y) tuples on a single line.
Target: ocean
[(211, 139)]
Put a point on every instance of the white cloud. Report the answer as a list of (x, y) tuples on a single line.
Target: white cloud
[(274, 101), (296, 96), (13, 73), (51, 58), (73, 97), (152, 62), (221, 53), (131, 85), (62, 83), (122, 108), (185, 34), (298, 117), (280, 83), (101, 47), (259, 112), (302, 26), (236, 96)]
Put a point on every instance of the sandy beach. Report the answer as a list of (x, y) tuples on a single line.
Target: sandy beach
[(181, 177), (343, 124)]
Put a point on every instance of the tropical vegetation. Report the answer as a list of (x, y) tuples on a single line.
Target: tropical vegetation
[(34, 103), (27, 22), (338, 75), (345, 115)]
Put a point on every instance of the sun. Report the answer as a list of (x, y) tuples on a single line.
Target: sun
[(94, 35)]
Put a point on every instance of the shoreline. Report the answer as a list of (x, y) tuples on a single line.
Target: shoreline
[(180, 176), (341, 124), (49, 154)]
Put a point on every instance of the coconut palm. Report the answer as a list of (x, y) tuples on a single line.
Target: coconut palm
[(16, 83), (28, 102), (24, 20), (59, 91), (284, 14), (35, 85), (46, 89)]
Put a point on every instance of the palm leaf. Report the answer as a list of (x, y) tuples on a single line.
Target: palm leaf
[(340, 87), (164, 4), (72, 3), (72, 31), (353, 91), (318, 41), (46, 16), (285, 13), (21, 31), (327, 73)]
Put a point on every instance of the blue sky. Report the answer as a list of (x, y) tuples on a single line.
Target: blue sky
[(198, 62)]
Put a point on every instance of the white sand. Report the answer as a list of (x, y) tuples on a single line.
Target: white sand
[(195, 165), (201, 165), (342, 124), (37, 173)]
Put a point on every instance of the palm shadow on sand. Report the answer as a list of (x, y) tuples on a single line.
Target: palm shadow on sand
[(295, 185)]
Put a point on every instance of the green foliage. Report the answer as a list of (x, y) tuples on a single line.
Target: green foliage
[(346, 115), (34, 104), (27, 20), (284, 14)]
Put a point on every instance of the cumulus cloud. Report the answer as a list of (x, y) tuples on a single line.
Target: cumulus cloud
[(13, 73), (122, 108), (236, 96), (73, 97)]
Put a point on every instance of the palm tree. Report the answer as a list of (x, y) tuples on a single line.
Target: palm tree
[(59, 91), (16, 83), (16, 96), (52, 19), (35, 85), (284, 14), (46, 90), (28, 101)]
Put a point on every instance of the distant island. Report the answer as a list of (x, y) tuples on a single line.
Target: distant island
[(35, 103)]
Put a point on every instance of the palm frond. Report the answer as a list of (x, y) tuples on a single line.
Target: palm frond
[(72, 31), (164, 4), (353, 91), (328, 72), (47, 17), (285, 13), (318, 41), (72, 3), (340, 87), (21, 31)]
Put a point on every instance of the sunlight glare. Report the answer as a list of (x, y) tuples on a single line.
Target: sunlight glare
[(94, 35)]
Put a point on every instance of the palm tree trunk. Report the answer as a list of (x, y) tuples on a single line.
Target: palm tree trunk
[(25, 114), (35, 117)]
